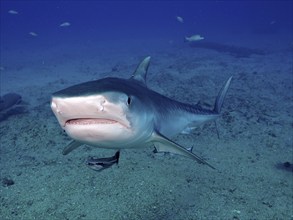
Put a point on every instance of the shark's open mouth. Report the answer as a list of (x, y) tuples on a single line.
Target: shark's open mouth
[(90, 121), (94, 121), (97, 131)]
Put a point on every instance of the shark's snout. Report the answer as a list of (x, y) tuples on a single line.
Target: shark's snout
[(91, 119), (67, 109), (56, 109)]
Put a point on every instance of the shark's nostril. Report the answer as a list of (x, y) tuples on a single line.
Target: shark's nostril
[(101, 105), (101, 108)]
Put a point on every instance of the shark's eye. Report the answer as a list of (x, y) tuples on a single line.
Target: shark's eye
[(128, 100)]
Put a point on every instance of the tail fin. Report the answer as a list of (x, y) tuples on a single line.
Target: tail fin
[(221, 96)]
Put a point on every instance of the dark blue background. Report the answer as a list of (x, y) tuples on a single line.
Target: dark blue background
[(116, 20)]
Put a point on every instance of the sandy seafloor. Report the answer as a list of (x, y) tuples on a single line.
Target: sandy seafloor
[(255, 136)]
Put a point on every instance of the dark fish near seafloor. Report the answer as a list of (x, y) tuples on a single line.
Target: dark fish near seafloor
[(11, 104), (100, 164)]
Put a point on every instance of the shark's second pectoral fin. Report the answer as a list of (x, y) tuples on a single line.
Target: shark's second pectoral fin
[(163, 144), (70, 147)]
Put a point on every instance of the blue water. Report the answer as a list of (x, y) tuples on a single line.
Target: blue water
[(135, 20)]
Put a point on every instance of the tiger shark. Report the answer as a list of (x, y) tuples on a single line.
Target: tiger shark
[(119, 113)]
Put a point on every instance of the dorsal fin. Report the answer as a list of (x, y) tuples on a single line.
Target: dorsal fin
[(141, 71)]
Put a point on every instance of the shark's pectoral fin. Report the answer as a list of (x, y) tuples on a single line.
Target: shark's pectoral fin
[(163, 144), (70, 147)]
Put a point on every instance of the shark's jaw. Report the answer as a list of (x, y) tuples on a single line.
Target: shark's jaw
[(93, 120)]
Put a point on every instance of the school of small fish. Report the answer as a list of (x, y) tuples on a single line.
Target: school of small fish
[(180, 19)]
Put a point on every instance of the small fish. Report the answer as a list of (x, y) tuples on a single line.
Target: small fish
[(192, 38), (180, 19), (65, 24), (13, 12), (34, 34), (100, 164)]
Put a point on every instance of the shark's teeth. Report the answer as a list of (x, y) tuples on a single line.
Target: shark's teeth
[(89, 121)]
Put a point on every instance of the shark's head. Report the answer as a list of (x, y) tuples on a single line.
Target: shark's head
[(104, 113), (108, 113)]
